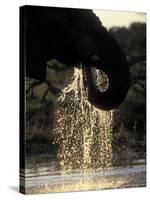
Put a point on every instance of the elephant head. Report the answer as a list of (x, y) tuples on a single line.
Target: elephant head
[(74, 36)]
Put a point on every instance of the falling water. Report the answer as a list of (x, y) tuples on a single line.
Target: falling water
[(84, 136), (83, 132)]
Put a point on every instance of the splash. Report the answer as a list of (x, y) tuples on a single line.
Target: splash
[(83, 132)]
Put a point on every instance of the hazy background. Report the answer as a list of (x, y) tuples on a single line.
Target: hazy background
[(119, 18)]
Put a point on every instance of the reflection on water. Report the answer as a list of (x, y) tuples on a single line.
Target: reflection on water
[(45, 178)]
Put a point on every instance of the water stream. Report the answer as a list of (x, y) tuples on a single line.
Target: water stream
[(83, 132)]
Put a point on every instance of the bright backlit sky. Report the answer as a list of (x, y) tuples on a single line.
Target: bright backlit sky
[(117, 18)]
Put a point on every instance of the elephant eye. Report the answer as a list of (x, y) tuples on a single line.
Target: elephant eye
[(100, 79)]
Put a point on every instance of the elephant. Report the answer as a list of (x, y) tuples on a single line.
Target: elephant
[(74, 36)]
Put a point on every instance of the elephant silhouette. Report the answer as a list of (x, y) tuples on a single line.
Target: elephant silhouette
[(74, 36)]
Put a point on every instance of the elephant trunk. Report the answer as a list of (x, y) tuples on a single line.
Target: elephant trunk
[(113, 96), (116, 68)]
